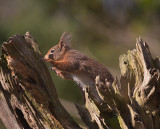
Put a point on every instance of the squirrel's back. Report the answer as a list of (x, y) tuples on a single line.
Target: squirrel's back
[(74, 65), (85, 66)]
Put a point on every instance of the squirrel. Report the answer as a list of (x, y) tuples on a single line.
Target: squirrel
[(74, 65)]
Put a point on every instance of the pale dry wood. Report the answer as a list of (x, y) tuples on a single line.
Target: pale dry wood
[(134, 100), (29, 100)]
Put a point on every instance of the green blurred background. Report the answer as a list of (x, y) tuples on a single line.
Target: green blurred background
[(102, 29)]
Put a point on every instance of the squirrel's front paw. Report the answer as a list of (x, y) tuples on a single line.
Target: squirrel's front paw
[(53, 68), (56, 71)]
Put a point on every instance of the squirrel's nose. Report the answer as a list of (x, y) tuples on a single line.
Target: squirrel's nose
[(46, 57)]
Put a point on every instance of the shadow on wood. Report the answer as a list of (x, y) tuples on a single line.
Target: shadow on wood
[(28, 98), (132, 103)]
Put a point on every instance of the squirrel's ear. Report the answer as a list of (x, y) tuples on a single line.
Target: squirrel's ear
[(65, 40)]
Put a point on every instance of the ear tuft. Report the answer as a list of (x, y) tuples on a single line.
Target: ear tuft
[(65, 39)]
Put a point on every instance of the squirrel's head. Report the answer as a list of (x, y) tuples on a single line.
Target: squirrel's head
[(57, 52)]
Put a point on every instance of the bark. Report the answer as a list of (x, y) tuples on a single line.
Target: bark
[(133, 102), (28, 98)]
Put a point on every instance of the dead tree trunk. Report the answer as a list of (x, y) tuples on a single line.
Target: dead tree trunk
[(28, 98), (134, 102)]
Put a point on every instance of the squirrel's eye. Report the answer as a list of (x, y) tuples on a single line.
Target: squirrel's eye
[(52, 50)]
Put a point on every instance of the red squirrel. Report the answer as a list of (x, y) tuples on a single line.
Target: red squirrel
[(74, 65)]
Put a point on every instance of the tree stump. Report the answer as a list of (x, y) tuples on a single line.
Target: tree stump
[(133, 102), (28, 98)]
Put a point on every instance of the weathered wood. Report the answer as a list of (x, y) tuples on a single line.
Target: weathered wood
[(133, 102), (28, 98)]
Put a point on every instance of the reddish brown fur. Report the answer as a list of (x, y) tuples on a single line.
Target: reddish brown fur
[(75, 62), (68, 62)]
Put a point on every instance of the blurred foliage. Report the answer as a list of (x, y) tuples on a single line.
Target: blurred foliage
[(102, 29), (2, 126)]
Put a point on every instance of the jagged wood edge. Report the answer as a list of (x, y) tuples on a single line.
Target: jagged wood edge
[(41, 99), (138, 71)]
